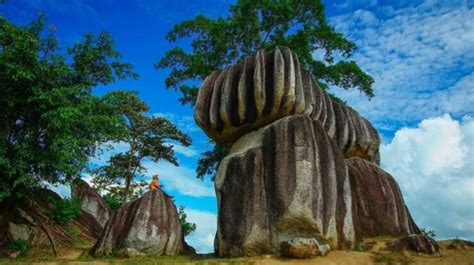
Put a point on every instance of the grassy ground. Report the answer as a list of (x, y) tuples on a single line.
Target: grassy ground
[(368, 253)]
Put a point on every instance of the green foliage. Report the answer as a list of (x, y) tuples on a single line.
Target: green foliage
[(255, 24), (456, 241), (252, 25), (50, 122), (357, 247), (188, 228), (64, 210), (20, 245), (113, 202), (209, 161), (428, 233), (147, 137)]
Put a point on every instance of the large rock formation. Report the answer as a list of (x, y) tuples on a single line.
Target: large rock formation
[(29, 219), (149, 224), (300, 164), (272, 85), (90, 201), (289, 179)]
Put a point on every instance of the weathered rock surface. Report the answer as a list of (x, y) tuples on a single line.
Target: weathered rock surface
[(272, 85), (300, 164), (302, 248), (378, 207), (299, 248), (28, 219), (91, 201), (149, 224), (414, 242), (283, 181), (289, 179)]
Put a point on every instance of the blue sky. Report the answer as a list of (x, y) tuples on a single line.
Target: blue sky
[(420, 53)]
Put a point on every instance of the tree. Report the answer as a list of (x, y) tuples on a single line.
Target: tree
[(50, 122), (148, 137), (252, 25), (188, 228)]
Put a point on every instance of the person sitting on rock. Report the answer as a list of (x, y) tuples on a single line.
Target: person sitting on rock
[(154, 186), (154, 183)]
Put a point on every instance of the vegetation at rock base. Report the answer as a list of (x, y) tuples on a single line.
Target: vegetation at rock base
[(426, 232), (188, 228), (20, 245), (63, 210), (252, 25)]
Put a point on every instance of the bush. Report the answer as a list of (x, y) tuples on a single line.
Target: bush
[(20, 245), (64, 210), (188, 228), (428, 233), (112, 202)]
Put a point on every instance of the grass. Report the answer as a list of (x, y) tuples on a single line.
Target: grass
[(391, 258), (44, 255)]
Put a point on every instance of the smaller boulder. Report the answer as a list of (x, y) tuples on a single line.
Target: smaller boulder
[(150, 225), (414, 242), (303, 248), (324, 249), (91, 201)]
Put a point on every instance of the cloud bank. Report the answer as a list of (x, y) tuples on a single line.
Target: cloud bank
[(434, 166), (206, 226)]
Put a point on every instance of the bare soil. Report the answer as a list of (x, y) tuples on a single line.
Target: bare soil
[(453, 252)]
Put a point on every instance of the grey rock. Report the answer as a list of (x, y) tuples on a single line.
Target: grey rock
[(414, 242), (324, 249), (289, 179), (149, 224), (91, 201), (272, 85), (300, 248)]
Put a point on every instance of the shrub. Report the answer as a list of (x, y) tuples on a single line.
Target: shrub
[(112, 202), (426, 232), (20, 245), (64, 210), (188, 228)]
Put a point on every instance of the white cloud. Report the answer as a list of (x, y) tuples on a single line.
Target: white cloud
[(181, 179), (185, 123), (203, 238), (434, 166), (186, 151), (421, 57)]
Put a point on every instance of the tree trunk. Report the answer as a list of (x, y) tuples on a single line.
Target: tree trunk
[(126, 191)]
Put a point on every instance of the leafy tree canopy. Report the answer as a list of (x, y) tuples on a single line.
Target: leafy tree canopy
[(50, 122), (252, 25), (148, 137)]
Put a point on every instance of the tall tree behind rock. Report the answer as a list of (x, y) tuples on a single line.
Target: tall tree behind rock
[(252, 25), (147, 137)]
